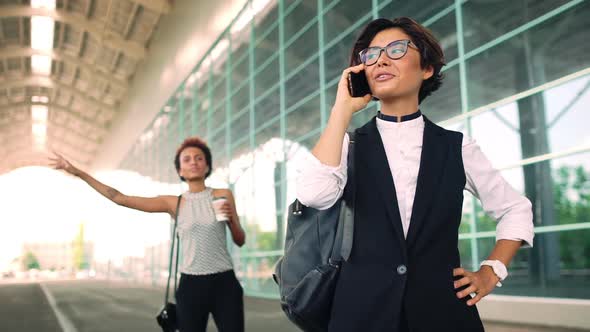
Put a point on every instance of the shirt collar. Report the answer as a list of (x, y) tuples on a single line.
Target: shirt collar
[(393, 118)]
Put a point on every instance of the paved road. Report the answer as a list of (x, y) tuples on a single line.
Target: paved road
[(100, 306)]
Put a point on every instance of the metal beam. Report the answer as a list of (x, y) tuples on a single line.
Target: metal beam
[(58, 55), (23, 65), (82, 44), (47, 82), (89, 6), (52, 138), (131, 21), (21, 31), (158, 6), (76, 142), (92, 26), (1, 33), (24, 155), (569, 106), (60, 40), (8, 128), (102, 130)]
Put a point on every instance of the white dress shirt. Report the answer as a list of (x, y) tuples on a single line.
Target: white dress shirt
[(320, 186)]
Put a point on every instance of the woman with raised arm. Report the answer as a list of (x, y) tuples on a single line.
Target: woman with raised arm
[(207, 283)]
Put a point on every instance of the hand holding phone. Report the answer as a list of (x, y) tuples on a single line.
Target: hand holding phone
[(353, 94), (358, 86)]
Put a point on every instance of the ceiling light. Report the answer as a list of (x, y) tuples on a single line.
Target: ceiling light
[(41, 64), (39, 130), (39, 127), (40, 99), (39, 113), (42, 28), (42, 31), (49, 4)]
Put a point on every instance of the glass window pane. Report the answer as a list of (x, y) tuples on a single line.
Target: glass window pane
[(267, 109), (240, 126), (269, 132), (302, 49), (465, 253), (341, 16), (361, 117), (267, 78), (218, 117), (267, 19), (241, 146), (219, 90), (302, 84), (420, 10), (550, 121), (299, 15), (445, 31), (444, 103), (567, 114), (303, 119), (496, 130), (557, 266), (241, 99), (529, 59), (240, 73), (266, 47), (217, 146), (487, 20), (310, 141), (337, 57)]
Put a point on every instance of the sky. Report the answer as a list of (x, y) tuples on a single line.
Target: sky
[(44, 205)]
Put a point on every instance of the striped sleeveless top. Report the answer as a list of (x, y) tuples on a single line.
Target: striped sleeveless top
[(203, 241)]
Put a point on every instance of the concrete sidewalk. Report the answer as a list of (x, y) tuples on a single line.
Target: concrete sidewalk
[(102, 306)]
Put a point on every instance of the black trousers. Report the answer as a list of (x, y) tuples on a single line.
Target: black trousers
[(219, 294)]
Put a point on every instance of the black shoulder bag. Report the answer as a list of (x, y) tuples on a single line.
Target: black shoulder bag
[(166, 317), (317, 242)]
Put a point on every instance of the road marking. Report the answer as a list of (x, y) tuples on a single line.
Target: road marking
[(64, 322)]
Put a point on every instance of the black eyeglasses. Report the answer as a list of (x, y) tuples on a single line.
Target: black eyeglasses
[(394, 50)]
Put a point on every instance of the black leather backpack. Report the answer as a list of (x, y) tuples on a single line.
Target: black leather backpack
[(317, 242)]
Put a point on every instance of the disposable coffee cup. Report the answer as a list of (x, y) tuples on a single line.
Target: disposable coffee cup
[(217, 204)]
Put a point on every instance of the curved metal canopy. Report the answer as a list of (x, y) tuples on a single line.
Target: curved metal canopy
[(98, 45)]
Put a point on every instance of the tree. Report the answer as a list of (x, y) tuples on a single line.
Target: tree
[(78, 248), (572, 204), (30, 261)]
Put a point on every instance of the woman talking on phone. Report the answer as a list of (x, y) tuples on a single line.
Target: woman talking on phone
[(404, 272), (207, 282)]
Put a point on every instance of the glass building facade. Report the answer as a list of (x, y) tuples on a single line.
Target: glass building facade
[(517, 79)]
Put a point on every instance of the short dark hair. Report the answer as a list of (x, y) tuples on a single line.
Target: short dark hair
[(431, 53), (194, 142)]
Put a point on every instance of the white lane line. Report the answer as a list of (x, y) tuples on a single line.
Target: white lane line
[(64, 322)]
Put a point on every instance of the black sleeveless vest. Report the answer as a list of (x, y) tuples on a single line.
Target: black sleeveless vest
[(389, 277)]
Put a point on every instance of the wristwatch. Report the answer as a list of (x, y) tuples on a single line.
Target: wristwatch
[(499, 269)]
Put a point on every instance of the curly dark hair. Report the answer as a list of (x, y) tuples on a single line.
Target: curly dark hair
[(431, 53), (194, 142)]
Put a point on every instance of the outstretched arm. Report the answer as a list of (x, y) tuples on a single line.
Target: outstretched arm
[(147, 204)]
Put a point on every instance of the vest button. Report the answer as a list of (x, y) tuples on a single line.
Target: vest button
[(402, 269)]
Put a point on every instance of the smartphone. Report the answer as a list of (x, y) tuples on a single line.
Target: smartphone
[(358, 85)]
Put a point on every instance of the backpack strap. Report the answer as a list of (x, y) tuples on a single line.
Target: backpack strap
[(344, 233), (348, 220), (174, 237)]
